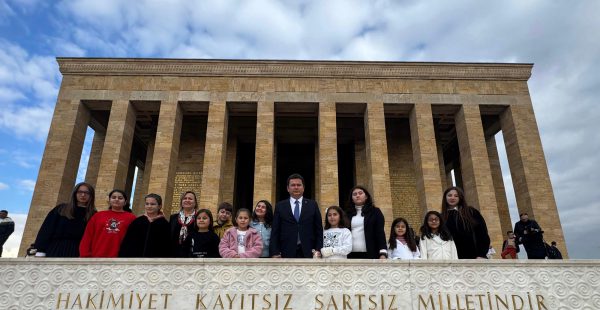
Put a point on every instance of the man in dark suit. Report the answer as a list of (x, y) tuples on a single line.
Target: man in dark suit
[(297, 229)]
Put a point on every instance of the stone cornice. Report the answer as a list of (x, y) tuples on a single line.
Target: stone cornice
[(294, 69)]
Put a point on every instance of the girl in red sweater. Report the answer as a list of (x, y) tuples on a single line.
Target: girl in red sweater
[(106, 229)]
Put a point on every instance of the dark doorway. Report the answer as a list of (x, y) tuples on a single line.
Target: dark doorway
[(346, 174), (295, 158), (244, 176)]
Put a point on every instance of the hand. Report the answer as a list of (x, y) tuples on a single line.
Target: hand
[(317, 254), (276, 256), (382, 256), (326, 252), (479, 257)]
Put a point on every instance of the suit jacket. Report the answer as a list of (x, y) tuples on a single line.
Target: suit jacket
[(285, 229)]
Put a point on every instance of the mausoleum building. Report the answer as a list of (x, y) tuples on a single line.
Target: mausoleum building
[(233, 130)]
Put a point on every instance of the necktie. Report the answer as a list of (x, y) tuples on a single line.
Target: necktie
[(297, 211)]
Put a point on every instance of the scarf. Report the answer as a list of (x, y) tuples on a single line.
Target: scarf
[(185, 221)]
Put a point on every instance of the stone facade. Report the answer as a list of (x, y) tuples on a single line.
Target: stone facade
[(229, 129)]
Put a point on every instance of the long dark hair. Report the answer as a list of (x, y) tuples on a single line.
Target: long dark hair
[(268, 213), (443, 232), (68, 209), (343, 221), (464, 210), (366, 209), (210, 218), (409, 236)]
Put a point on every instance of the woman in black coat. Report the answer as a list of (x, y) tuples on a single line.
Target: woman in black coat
[(64, 225), (148, 235), (466, 225), (183, 224), (367, 225)]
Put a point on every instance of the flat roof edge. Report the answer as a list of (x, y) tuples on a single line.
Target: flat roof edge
[(294, 68)]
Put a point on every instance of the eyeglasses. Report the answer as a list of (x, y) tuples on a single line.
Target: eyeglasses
[(83, 192)]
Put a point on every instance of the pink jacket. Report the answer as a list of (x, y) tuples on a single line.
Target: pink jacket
[(228, 247)]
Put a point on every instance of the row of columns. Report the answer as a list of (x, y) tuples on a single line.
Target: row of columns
[(482, 184)]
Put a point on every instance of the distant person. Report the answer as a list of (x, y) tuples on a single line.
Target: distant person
[(402, 243), (337, 238), (530, 234), (367, 225), (7, 227), (183, 223), (106, 229), (241, 241), (64, 226), (224, 212), (510, 248), (466, 225), (262, 221), (204, 243), (436, 240), (553, 251), (148, 235), (297, 224)]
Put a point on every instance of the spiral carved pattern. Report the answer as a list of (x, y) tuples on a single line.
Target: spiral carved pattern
[(27, 284)]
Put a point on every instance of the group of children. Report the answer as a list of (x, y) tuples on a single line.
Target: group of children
[(435, 241), (244, 241)]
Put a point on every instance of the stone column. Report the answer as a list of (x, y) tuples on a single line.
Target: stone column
[(378, 169), (328, 164), (215, 149), (116, 152), (443, 177), (475, 166), (148, 167), (264, 162), (60, 162), (360, 167), (228, 178), (166, 151), (425, 157), (91, 174), (499, 189), (529, 172), (449, 180)]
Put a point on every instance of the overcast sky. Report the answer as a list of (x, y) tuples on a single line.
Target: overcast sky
[(559, 37)]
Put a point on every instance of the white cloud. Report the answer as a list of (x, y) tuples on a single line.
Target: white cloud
[(11, 247), (27, 185), (3, 186), (28, 89)]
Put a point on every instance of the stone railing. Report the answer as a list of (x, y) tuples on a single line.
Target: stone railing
[(297, 284)]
